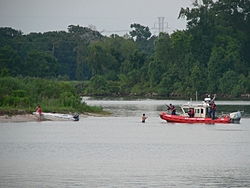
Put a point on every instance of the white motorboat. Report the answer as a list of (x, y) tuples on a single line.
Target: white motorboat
[(74, 117)]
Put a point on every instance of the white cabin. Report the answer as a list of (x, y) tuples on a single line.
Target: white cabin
[(200, 110)]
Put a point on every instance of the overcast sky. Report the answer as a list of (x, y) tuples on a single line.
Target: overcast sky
[(108, 16)]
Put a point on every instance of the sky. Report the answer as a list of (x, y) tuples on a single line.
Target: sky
[(106, 16)]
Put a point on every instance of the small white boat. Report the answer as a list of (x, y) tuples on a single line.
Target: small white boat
[(74, 117)]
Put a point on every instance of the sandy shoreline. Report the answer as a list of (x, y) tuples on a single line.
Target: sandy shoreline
[(18, 118), (34, 118)]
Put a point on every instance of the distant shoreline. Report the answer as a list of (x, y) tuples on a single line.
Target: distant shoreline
[(245, 97)]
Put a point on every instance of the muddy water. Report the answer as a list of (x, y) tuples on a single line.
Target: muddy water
[(120, 151)]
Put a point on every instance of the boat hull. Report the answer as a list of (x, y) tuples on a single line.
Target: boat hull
[(185, 119), (74, 117)]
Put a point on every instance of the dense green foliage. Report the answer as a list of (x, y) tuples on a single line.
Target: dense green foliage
[(54, 96), (210, 56)]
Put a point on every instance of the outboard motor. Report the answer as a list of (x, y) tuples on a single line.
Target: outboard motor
[(76, 116)]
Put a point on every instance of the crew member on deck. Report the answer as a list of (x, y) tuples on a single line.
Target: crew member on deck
[(212, 110), (191, 112), (172, 108)]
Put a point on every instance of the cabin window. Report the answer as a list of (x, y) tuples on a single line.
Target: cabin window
[(197, 111), (202, 111)]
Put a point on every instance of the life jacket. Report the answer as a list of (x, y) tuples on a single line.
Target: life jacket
[(214, 106), (172, 107), (192, 111)]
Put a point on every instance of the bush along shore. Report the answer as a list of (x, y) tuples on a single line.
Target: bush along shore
[(22, 95)]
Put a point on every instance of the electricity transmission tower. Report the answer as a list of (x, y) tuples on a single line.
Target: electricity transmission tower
[(160, 24)]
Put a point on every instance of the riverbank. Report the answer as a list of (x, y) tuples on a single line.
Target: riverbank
[(33, 118), (18, 118)]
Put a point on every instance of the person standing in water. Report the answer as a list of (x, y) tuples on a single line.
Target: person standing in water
[(143, 118)]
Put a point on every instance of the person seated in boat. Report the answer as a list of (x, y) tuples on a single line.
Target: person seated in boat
[(143, 118), (191, 112), (172, 108), (212, 110)]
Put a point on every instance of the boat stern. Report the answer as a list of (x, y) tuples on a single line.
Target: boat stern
[(76, 116), (235, 117)]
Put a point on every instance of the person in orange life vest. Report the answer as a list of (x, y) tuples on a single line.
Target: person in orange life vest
[(172, 108), (191, 112), (212, 110)]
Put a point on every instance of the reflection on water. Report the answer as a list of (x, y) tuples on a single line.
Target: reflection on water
[(120, 151)]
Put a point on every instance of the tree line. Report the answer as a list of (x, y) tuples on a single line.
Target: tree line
[(210, 56), (26, 93)]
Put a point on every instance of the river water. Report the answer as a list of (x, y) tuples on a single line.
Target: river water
[(120, 151)]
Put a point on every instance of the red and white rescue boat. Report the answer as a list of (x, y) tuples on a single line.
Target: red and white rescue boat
[(201, 115)]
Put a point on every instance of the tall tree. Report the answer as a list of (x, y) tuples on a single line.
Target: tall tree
[(10, 61), (201, 21), (81, 50), (163, 50), (228, 81), (155, 72), (143, 38), (96, 58), (7, 36), (39, 64)]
